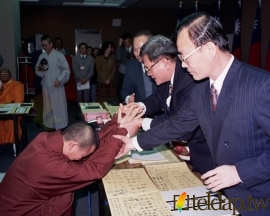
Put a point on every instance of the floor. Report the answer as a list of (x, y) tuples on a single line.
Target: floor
[(81, 207)]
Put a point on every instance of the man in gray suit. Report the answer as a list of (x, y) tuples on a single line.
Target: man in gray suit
[(83, 69), (233, 110)]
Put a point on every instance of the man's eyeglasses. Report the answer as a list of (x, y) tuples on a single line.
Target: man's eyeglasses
[(148, 69), (183, 59)]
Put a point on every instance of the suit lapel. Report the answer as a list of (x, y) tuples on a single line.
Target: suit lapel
[(225, 99)]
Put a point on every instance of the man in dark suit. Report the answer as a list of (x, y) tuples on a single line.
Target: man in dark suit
[(137, 85), (160, 53), (234, 116), (123, 55)]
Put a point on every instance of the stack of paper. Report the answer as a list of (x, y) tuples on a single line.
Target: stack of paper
[(146, 156)]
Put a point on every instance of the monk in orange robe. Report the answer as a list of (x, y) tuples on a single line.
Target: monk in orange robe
[(11, 91)]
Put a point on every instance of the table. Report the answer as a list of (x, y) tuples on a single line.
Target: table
[(13, 111), (127, 165)]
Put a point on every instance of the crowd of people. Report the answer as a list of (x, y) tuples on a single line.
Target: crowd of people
[(194, 90)]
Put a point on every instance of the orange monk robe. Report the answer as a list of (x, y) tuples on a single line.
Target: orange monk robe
[(11, 92)]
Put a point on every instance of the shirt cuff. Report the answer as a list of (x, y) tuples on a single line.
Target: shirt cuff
[(146, 123), (142, 104), (136, 144), (126, 100)]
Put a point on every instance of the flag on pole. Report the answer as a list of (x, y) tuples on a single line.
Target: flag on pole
[(217, 16), (180, 12), (236, 47), (196, 6), (255, 48)]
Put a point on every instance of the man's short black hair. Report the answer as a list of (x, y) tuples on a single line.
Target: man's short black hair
[(46, 38), (82, 133), (81, 44)]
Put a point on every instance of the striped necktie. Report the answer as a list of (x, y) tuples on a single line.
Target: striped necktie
[(168, 101), (170, 90), (214, 97)]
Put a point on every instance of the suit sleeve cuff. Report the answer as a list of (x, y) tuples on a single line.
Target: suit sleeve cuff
[(136, 144)]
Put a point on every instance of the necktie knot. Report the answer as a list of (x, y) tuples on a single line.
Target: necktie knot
[(214, 96)]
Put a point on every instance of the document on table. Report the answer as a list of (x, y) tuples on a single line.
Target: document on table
[(146, 156), (166, 153), (81, 86), (131, 192), (172, 176), (112, 109), (150, 204), (8, 107), (20, 110), (121, 182)]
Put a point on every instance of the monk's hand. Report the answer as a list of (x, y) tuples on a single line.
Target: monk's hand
[(57, 83), (131, 112), (221, 177), (126, 147), (126, 108)]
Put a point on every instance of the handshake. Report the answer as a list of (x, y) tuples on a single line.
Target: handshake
[(129, 117)]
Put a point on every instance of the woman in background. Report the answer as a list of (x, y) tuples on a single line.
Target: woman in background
[(106, 66)]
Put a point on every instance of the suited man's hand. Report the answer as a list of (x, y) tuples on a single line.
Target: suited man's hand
[(131, 98), (125, 108), (221, 177), (127, 145)]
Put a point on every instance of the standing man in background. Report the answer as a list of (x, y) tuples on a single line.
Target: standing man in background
[(137, 84), (83, 69), (1, 60), (52, 66), (124, 54), (58, 42)]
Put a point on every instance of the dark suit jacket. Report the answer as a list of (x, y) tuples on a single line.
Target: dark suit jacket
[(122, 56), (134, 83), (238, 133), (183, 84)]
